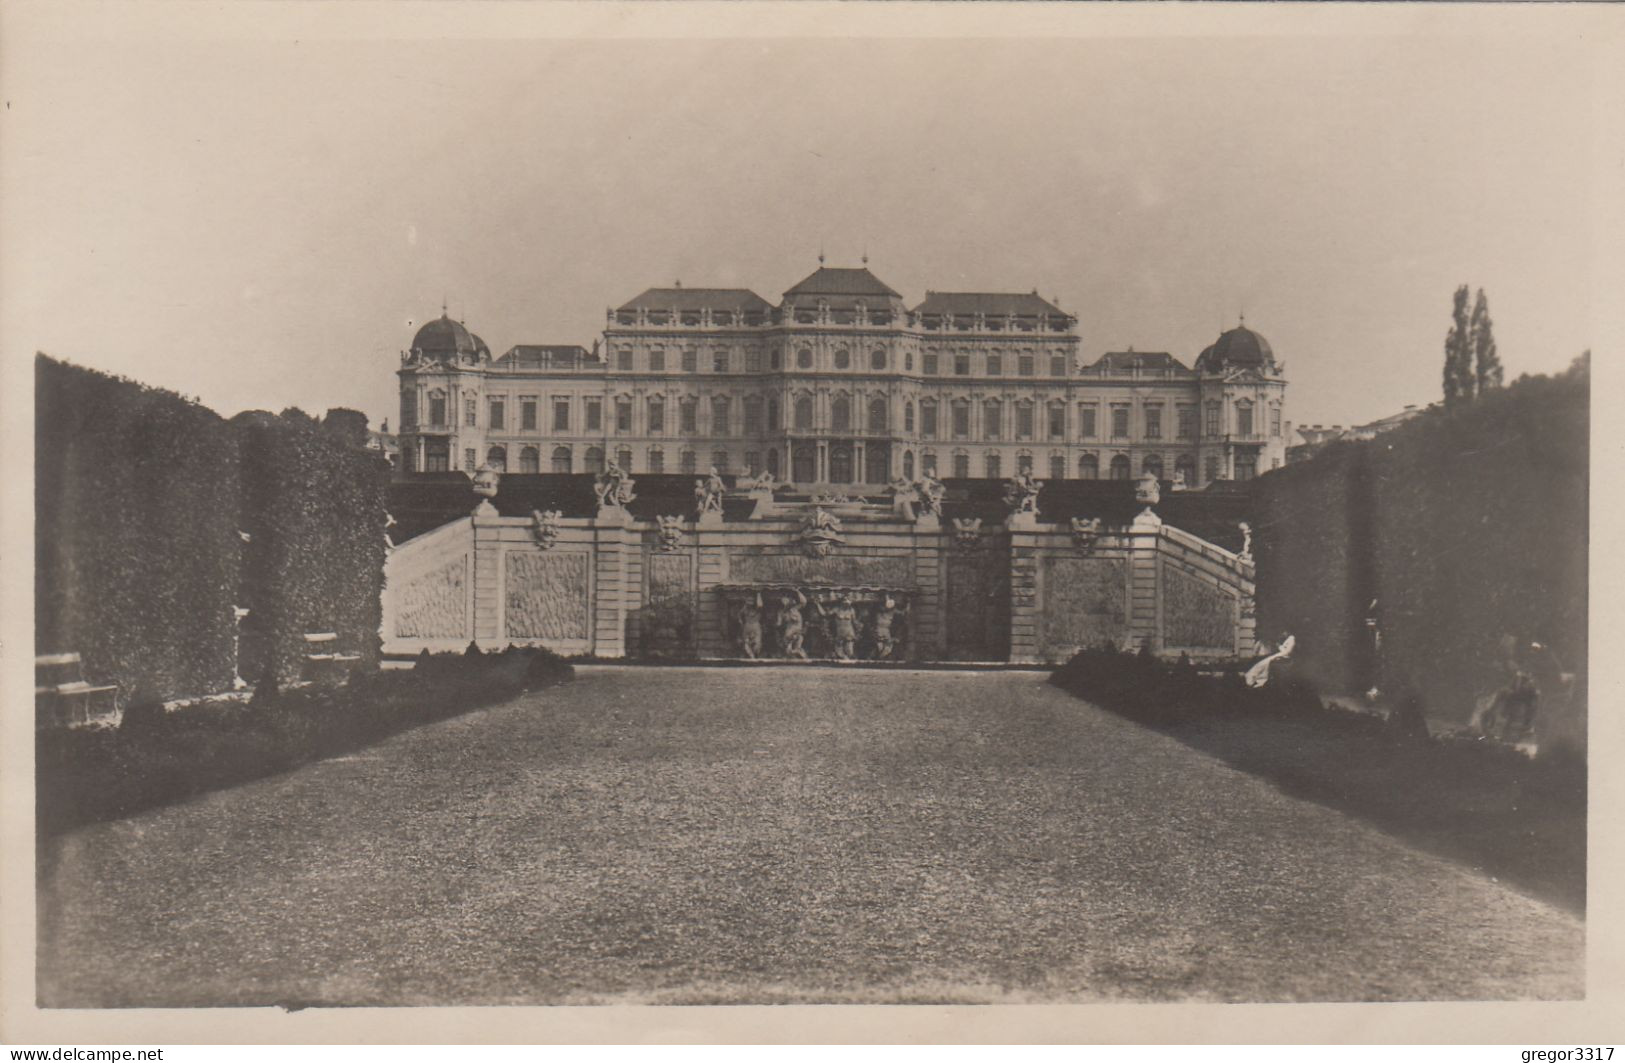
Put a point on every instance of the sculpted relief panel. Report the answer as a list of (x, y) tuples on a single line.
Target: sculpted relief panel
[(1195, 613), (667, 621), (547, 595), (1085, 602), (836, 570), (435, 604)]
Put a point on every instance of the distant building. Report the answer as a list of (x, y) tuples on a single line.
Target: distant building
[(841, 383), (1308, 439)]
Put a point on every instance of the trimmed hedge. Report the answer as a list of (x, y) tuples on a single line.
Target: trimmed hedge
[(137, 552), (92, 774), (313, 507)]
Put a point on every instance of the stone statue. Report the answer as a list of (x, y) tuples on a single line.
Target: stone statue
[(821, 533), (709, 491), (1178, 483), (671, 533), (485, 485), (968, 532), (1021, 493), (792, 628), (1085, 531), (750, 626), (613, 486), (886, 614), (1147, 491), (1246, 540), (929, 491), (763, 481), (545, 527), (843, 626)]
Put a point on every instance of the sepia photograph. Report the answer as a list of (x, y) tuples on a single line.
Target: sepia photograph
[(862, 505)]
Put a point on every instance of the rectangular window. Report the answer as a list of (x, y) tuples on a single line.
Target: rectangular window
[(437, 409), (753, 361), (1086, 422), (657, 360), (719, 361), (992, 420), (1057, 421), (1119, 422), (409, 409), (1210, 422), (1275, 422), (994, 367), (623, 359), (1057, 365), (498, 414), (595, 415), (561, 415), (687, 413), (928, 364), (1024, 365), (657, 416), (471, 412), (753, 417), (470, 462), (623, 415), (1244, 424), (1212, 468), (961, 415), (1153, 422), (1024, 420), (719, 415), (928, 420), (961, 365), (962, 466), (1187, 422)]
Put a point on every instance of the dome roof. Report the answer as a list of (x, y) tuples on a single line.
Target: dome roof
[(1240, 348), (445, 339)]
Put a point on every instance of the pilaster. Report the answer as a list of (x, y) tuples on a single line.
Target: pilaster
[(1024, 600)]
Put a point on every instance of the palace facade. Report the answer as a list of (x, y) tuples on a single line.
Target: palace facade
[(841, 383)]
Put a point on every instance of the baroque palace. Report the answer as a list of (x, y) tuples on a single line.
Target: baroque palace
[(841, 383)]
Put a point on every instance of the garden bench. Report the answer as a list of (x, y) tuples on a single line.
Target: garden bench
[(62, 695), (324, 661)]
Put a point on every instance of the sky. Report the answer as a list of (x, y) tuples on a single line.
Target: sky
[(261, 219)]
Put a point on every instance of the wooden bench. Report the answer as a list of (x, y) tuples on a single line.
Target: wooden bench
[(64, 698), (324, 661)]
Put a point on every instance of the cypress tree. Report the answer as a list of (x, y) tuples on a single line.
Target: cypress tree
[(1486, 363), (1459, 380)]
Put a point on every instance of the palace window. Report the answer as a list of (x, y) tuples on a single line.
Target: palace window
[(409, 410), (657, 460), (691, 360), (1186, 428), (719, 458), (773, 462), (994, 368), (530, 460), (499, 415), (436, 455), (437, 408), (688, 415), (623, 359), (719, 415), (962, 466), (1086, 421), (497, 458), (595, 415), (1185, 465), (657, 415), (753, 462), (992, 467), (775, 358), (1210, 422), (961, 419), (753, 361), (804, 358), (1275, 422), (719, 360), (595, 460), (908, 361), (1057, 466), (1024, 463), (877, 358), (1153, 465), (928, 418), (992, 419), (1057, 420), (623, 458), (908, 417), (1244, 423), (928, 364), (843, 358), (623, 415), (1024, 365), (1024, 420), (928, 462), (1212, 467), (688, 462), (877, 415), (1088, 467), (1153, 422), (840, 414), (908, 465), (772, 415), (1119, 422), (561, 415), (961, 365), (804, 414), (471, 460), (1057, 365), (657, 359), (753, 415), (1246, 466), (1120, 469), (471, 412)]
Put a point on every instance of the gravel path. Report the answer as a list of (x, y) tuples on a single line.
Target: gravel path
[(691, 835)]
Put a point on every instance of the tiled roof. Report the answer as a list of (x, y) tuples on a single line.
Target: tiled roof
[(828, 280), (993, 304), (547, 356), (675, 299), (1114, 361)]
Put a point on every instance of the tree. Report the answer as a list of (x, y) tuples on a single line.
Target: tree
[(1486, 363), (1459, 381)]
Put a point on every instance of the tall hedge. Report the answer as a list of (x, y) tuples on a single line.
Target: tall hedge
[(136, 503), (1467, 525), (313, 506)]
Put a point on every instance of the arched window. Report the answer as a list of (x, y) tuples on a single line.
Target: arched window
[(843, 358), (908, 417), (772, 415), (623, 458), (719, 458), (877, 358), (561, 458), (908, 361), (1120, 469), (497, 458), (993, 468), (804, 464), (1057, 466), (962, 466), (595, 459), (530, 460), (804, 413), (804, 358), (840, 415), (1185, 465), (840, 464), (657, 460), (928, 462), (877, 415), (1153, 465), (688, 462), (1088, 467), (753, 462), (908, 465)]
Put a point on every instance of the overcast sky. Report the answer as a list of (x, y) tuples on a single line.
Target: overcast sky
[(262, 221)]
